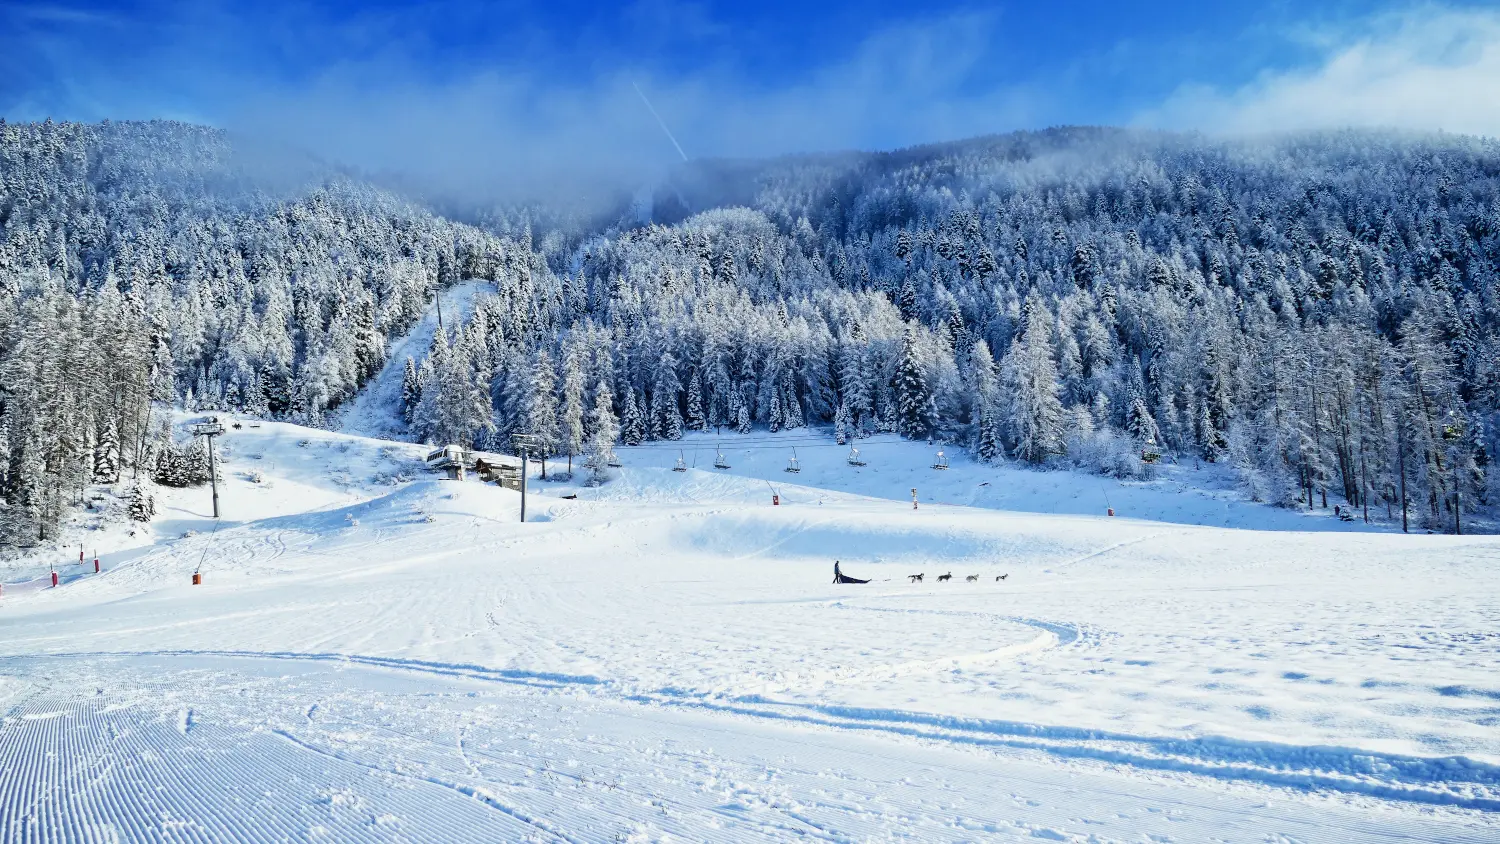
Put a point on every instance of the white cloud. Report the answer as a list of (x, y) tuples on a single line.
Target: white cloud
[(494, 133), (1426, 68)]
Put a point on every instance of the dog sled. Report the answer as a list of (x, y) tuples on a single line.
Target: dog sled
[(840, 577)]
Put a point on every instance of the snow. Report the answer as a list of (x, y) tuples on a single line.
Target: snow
[(376, 654), (372, 412)]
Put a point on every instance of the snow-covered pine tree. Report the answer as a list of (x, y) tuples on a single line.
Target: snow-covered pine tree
[(697, 418), (632, 425), (988, 412), (666, 418), (1036, 413), (792, 408), (411, 390), (913, 398), (107, 454), (606, 429), (541, 406), (572, 429), (142, 506)]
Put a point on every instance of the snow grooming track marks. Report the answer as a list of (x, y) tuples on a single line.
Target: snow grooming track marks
[(1451, 782), (381, 763), (150, 782), (1457, 783)]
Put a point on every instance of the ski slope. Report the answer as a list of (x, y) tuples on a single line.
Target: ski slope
[(373, 412), (378, 655)]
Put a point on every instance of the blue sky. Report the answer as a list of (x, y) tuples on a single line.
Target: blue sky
[(387, 84)]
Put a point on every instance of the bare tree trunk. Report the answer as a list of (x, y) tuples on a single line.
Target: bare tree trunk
[(1401, 462)]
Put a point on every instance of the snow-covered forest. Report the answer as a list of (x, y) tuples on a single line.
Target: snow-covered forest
[(1319, 311), (145, 264)]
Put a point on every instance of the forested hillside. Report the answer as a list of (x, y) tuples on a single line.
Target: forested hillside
[(146, 264), (1318, 311)]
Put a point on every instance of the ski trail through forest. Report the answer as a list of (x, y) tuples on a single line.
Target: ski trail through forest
[(376, 410)]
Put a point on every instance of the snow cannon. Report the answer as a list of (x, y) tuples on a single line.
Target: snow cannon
[(775, 500), (197, 579), (1111, 511)]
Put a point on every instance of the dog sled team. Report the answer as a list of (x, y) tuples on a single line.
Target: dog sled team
[(840, 577), (973, 578)]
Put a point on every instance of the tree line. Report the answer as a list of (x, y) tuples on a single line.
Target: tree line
[(1317, 312)]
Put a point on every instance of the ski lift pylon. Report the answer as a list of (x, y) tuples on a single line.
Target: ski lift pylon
[(941, 462), (681, 463), (791, 465), (854, 458)]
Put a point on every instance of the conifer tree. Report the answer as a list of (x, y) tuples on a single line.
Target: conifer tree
[(1036, 414), (541, 406), (666, 418), (411, 390), (697, 419), (913, 398), (988, 408), (106, 469), (572, 439), (632, 425), (142, 506), (601, 449)]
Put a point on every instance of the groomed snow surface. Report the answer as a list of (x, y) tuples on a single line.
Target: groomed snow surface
[(378, 655)]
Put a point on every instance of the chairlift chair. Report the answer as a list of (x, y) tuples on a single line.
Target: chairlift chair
[(1150, 453), (681, 464), (854, 458), (791, 465), (1453, 429), (942, 460), (720, 462)]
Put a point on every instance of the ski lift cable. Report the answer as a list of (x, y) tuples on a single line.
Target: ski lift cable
[(633, 449), (751, 443), (738, 446), (207, 544)]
